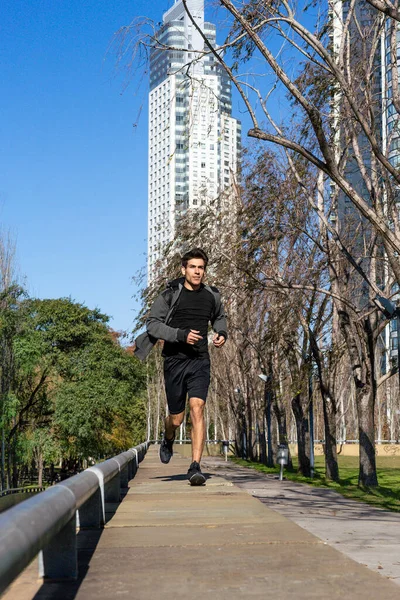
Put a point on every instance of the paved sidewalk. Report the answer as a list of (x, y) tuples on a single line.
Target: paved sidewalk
[(169, 540), (369, 535)]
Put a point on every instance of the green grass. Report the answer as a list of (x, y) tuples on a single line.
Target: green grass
[(386, 495)]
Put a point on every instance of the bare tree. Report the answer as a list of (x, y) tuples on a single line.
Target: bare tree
[(327, 76)]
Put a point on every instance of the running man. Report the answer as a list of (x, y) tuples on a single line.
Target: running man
[(180, 316)]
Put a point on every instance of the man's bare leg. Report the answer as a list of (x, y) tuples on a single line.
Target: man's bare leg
[(198, 427), (172, 422), (195, 475)]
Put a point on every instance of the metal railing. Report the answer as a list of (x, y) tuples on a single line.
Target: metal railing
[(47, 523), (13, 496), (189, 441), (22, 490)]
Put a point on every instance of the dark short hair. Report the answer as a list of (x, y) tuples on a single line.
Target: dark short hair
[(194, 253)]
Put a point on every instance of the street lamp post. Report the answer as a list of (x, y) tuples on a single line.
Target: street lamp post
[(391, 311)]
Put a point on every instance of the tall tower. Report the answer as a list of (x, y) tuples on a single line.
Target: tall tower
[(194, 142)]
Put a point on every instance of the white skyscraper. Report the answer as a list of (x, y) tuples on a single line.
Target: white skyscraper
[(194, 143)]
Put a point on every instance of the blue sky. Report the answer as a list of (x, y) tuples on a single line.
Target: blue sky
[(73, 154), (73, 169)]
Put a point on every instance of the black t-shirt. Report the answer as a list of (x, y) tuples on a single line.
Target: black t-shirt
[(194, 311)]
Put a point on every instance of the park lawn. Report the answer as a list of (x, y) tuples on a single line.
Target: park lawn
[(386, 495)]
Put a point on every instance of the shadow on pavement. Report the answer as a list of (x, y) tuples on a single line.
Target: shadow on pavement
[(182, 477), (67, 590), (300, 498), (87, 541)]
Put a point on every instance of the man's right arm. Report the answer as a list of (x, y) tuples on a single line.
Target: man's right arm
[(156, 326)]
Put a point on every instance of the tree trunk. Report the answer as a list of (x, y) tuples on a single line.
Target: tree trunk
[(263, 444), (222, 427), (249, 429), (15, 472), (331, 463), (365, 409), (274, 437), (268, 418), (363, 367), (12, 471), (157, 425), (329, 410), (148, 405), (3, 459), (9, 463), (240, 437), (303, 436), (52, 472), (40, 468)]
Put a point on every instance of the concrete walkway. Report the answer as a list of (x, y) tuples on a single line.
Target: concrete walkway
[(169, 540)]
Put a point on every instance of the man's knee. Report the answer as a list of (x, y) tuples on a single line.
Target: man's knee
[(196, 408), (176, 420)]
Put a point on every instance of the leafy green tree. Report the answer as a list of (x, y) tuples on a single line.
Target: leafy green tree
[(10, 324), (75, 391), (100, 407), (42, 447)]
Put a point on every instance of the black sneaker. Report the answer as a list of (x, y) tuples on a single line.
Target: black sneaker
[(166, 450), (195, 475)]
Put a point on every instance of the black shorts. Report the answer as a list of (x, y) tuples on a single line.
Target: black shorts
[(184, 377)]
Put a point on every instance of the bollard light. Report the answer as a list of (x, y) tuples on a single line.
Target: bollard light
[(282, 458)]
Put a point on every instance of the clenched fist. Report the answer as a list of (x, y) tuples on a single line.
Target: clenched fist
[(218, 340), (193, 337)]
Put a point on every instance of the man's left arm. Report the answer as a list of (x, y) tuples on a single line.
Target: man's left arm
[(219, 325)]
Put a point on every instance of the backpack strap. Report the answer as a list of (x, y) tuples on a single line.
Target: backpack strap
[(168, 294)]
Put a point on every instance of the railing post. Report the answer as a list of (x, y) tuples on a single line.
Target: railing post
[(130, 469), (59, 559), (112, 489), (136, 465), (90, 513), (124, 474), (131, 465), (100, 477)]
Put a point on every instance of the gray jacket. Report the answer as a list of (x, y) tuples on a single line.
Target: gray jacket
[(161, 312)]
